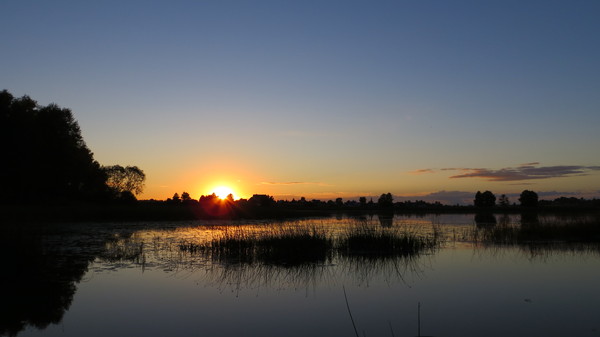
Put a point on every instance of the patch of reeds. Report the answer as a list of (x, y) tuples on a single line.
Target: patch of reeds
[(377, 242), (121, 249), (284, 245), (299, 245)]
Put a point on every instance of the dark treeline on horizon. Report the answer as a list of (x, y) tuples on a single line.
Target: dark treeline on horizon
[(51, 171), (212, 205)]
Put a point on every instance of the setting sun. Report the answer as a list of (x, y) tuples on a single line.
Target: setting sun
[(223, 191)]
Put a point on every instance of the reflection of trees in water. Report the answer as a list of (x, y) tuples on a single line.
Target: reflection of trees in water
[(541, 237), (41, 269), (40, 272), (485, 219)]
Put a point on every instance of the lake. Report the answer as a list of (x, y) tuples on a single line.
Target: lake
[(486, 275)]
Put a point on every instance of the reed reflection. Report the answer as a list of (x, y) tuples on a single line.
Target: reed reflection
[(299, 255)]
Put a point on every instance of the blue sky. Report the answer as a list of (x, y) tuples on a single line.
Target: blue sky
[(322, 98)]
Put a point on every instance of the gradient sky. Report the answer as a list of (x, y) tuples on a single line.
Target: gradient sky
[(322, 99)]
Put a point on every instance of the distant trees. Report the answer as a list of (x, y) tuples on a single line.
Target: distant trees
[(485, 199), (503, 201), (263, 200), (528, 199), (124, 180), (386, 200)]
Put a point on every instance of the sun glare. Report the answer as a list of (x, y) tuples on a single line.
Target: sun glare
[(223, 191)]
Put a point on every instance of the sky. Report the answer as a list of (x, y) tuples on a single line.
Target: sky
[(430, 100)]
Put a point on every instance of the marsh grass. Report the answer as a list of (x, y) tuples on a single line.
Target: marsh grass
[(123, 248), (377, 242), (296, 245), (276, 245)]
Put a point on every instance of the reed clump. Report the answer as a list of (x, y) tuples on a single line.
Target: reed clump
[(123, 248), (300, 245), (287, 245), (364, 241)]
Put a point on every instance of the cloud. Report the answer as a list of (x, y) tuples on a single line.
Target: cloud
[(444, 197), (422, 171), (530, 164), (287, 183), (526, 172)]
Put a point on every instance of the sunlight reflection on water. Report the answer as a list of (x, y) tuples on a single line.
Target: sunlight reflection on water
[(141, 283)]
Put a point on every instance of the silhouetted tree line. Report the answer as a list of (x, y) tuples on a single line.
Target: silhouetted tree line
[(484, 204), (45, 158), (530, 200)]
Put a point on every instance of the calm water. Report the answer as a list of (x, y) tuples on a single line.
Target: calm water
[(132, 279)]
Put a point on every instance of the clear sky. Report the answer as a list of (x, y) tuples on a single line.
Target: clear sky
[(322, 99)]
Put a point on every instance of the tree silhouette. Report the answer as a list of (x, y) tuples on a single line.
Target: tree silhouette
[(528, 199), (485, 199), (45, 153), (503, 201), (125, 179), (386, 200), (264, 200)]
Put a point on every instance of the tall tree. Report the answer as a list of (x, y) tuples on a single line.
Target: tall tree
[(528, 199), (386, 200), (485, 199), (125, 179), (44, 153), (503, 201)]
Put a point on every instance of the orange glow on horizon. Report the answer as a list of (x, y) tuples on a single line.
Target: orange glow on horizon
[(223, 191)]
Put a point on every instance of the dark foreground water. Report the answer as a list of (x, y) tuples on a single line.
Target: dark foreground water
[(134, 280)]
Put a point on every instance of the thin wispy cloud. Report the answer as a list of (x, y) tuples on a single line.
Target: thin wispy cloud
[(287, 183), (535, 163), (422, 171), (526, 172)]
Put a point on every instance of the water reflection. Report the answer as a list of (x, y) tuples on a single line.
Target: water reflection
[(43, 266), (40, 272), (541, 237)]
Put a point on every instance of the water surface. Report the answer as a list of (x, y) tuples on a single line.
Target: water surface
[(132, 279)]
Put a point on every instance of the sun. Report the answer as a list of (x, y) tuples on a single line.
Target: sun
[(223, 191)]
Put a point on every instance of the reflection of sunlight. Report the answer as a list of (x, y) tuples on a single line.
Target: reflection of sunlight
[(223, 191)]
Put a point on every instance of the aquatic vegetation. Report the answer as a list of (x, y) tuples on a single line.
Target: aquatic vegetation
[(292, 245), (123, 248), (376, 242), (277, 245)]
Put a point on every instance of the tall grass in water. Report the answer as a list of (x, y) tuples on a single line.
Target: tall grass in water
[(369, 241), (296, 245), (124, 248), (277, 245)]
